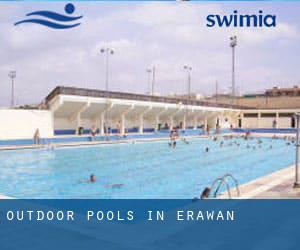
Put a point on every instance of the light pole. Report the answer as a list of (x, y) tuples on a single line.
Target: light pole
[(107, 51), (153, 79), (188, 69), (217, 91), (12, 75), (233, 44), (153, 71), (297, 182), (149, 72)]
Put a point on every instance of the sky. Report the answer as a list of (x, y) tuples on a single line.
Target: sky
[(144, 34)]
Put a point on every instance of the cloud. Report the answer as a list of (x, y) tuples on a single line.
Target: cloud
[(165, 35)]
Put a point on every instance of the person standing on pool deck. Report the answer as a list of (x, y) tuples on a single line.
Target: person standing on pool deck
[(119, 127), (93, 132), (36, 137)]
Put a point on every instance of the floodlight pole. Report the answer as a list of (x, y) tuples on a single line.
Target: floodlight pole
[(297, 182), (233, 44), (153, 80), (107, 51), (149, 72), (12, 75), (217, 90), (188, 69)]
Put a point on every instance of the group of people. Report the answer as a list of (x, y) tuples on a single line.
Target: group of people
[(106, 130)]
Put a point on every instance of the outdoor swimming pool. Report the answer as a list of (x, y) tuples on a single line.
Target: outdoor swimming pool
[(147, 170)]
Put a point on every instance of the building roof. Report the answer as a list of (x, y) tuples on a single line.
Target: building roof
[(60, 90)]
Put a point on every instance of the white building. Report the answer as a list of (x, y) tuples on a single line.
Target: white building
[(72, 108)]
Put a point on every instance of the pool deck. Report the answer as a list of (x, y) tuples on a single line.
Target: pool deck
[(130, 140), (98, 142), (5, 197), (277, 185)]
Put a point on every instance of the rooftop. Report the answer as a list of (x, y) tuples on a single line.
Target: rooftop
[(60, 90)]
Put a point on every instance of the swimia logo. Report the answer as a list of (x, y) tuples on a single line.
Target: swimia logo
[(52, 19), (240, 20)]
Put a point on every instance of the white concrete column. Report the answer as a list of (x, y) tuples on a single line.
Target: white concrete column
[(141, 124), (78, 122), (277, 119), (101, 127), (171, 122), (195, 121), (205, 123), (142, 118), (184, 122), (156, 122), (258, 119), (77, 116), (123, 120)]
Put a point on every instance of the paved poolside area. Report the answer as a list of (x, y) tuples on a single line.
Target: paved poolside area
[(278, 185), (98, 142)]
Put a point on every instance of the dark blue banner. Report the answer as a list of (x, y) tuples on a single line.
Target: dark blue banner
[(149, 224)]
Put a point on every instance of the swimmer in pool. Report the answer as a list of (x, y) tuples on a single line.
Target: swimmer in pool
[(207, 149), (92, 178), (117, 185), (205, 193), (185, 141)]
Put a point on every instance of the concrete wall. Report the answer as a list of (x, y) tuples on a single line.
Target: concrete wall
[(64, 123), (284, 122), (22, 124), (250, 122), (266, 122)]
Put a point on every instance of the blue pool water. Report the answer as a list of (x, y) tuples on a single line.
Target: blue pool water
[(147, 170)]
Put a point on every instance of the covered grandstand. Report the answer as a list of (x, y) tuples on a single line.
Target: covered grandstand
[(75, 108)]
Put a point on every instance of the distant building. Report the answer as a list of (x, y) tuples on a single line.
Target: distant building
[(274, 92)]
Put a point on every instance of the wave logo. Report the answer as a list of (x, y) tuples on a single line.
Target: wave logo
[(53, 20)]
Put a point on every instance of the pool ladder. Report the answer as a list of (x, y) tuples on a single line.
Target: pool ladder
[(223, 180)]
